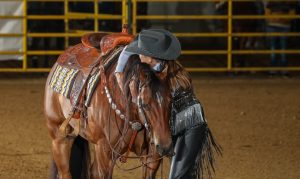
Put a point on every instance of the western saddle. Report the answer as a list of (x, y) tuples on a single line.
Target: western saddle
[(88, 57), (93, 46)]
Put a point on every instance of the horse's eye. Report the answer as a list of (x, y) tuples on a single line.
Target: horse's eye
[(143, 102), (145, 106)]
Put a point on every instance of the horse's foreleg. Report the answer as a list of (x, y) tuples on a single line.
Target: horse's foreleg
[(61, 150), (94, 171), (104, 159)]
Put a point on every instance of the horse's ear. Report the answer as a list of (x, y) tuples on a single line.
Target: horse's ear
[(133, 90)]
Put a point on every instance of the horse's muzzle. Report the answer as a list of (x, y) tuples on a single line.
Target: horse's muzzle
[(167, 150)]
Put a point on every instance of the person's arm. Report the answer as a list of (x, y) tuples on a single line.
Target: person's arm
[(122, 61)]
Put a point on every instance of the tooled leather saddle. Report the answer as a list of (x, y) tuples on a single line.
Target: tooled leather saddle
[(87, 57)]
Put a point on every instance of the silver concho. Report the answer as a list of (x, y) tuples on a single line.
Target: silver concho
[(136, 126), (113, 105)]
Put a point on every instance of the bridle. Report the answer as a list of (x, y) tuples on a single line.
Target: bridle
[(136, 126), (141, 109)]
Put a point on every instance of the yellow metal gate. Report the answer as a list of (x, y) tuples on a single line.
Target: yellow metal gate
[(229, 34), (96, 16)]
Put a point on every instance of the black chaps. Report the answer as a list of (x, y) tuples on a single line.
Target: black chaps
[(187, 148)]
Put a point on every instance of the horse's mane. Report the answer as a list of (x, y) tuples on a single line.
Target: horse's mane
[(133, 70), (132, 73)]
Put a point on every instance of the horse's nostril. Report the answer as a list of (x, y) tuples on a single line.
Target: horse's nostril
[(164, 151), (159, 149), (167, 150)]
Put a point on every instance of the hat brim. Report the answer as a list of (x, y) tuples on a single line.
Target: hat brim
[(133, 48), (172, 53)]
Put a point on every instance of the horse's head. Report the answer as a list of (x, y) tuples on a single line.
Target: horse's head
[(152, 98)]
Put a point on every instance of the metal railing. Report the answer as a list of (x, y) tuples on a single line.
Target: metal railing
[(229, 34), (67, 34)]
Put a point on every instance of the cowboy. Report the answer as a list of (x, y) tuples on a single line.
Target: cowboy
[(192, 138)]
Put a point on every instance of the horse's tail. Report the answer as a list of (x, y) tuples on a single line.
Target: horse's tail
[(79, 161)]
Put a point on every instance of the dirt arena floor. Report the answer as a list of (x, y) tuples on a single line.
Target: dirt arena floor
[(255, 119)]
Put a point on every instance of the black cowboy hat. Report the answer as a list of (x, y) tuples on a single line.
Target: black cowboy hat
[(157, 43)]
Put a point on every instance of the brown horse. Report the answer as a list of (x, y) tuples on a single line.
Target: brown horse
[(145, 99)]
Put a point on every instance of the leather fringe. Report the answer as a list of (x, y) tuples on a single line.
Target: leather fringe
[(205, 161)]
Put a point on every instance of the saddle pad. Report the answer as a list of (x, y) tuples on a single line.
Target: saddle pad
[(91, 86), (62, 80)]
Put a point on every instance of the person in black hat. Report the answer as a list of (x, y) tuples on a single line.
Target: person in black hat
[(192, 139), (153, 46)]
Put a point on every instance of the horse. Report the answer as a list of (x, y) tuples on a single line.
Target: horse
[(110, 119)]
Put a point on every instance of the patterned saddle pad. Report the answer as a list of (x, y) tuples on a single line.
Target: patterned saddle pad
[(63, 79), (70, 81)]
